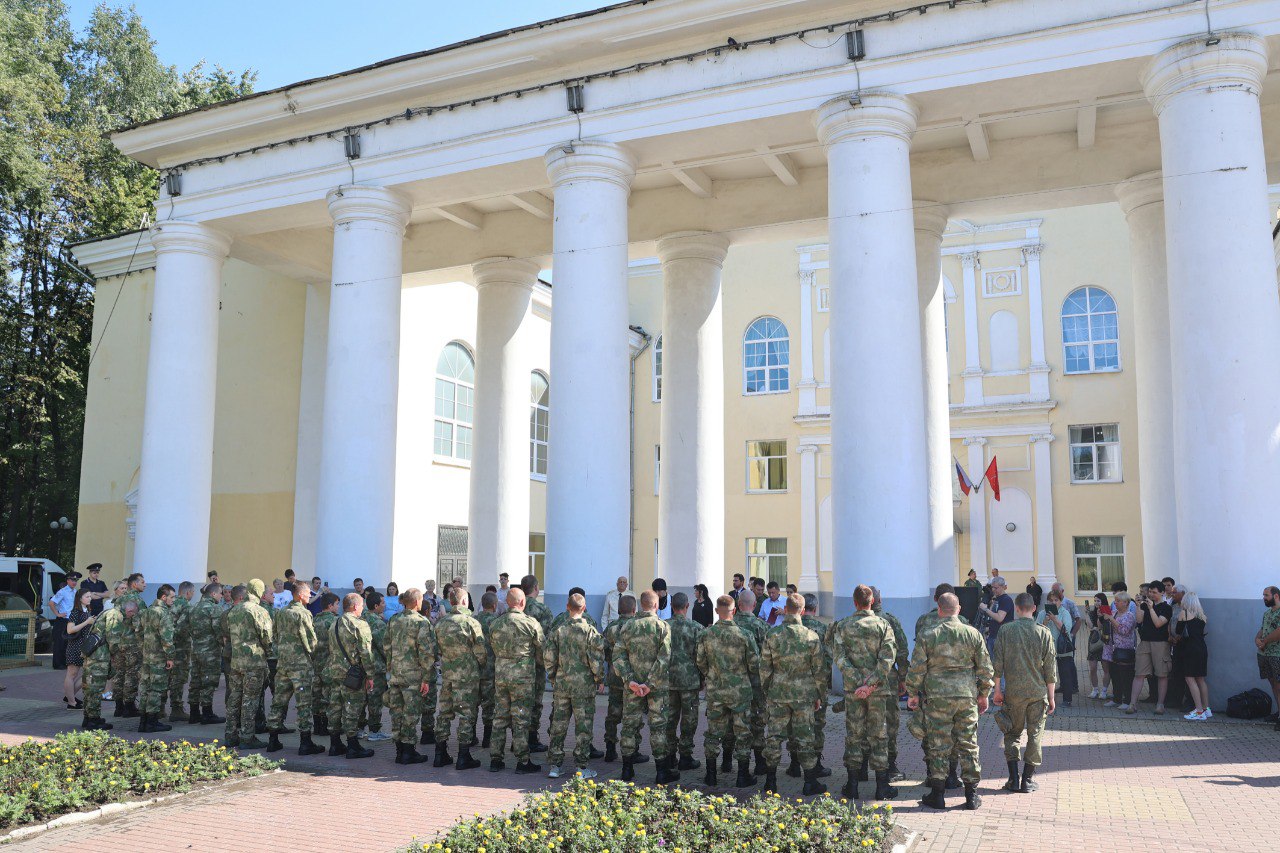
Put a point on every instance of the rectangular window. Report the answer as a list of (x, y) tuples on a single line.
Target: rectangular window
[(538, 556), (1099, 562), (767, 558), (657, 466), (1095, 453), (766, 466), (657, 370), (539, 429)]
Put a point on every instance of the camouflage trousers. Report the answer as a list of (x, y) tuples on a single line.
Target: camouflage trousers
[(730, 724), (613, 717), (345, 705), (404, 699), (583, 710), (486, 697), (129, 674), (206, 668), (951, 725), (756, 722), (178, 678), (375, 700), (864, 732), (117, 673), (1023, 715), (511, 710), (539, 692), (790, 721), (458, 698), (292, 683), (430, 701), (819, 732), (153, 685), (634, 708), (892, 721), (319, 690), (682, 712), (96, 672), (244, 693)]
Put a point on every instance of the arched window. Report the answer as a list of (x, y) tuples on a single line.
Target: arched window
[(455, 401), (766, 357), (539, 424), (657, 369), (1090, 331)]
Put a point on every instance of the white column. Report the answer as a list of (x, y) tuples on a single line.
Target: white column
[(977, 463), (1224, 314), (930, 222), (1038, 369), (358, 430), (808, 518), (176, 477), (306, 479), (972, 374), (808, 384), (880, 507), (499, 533), (1046, 564), (588, 479), (691, 500), (1142, 200)]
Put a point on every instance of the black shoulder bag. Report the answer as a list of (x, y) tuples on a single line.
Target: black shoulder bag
[(355, 677)]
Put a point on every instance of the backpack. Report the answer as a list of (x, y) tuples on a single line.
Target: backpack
[(1249, 705)]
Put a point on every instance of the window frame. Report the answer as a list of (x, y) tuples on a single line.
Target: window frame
[(770, 371), (1078, 555), (453, 421), (767, 558), (784, 459), (656, 360), (1090, 342), (538, 568), (1094, 445), (536, 407)]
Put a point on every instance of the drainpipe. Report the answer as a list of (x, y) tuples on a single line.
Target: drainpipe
[(631, 528)]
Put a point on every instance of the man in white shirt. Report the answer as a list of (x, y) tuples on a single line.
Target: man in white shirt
[(62, 603), (773, 607), (610, 613), (1069, 606)]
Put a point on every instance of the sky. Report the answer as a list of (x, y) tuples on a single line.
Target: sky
[(290, 40)]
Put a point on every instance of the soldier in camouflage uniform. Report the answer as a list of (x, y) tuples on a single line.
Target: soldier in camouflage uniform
[(257, 592), (863, 647), (463, 656), (538, 611), (893, 690), (517, 642), (574, 659), (350, 644), (321, 689), (248, 639), (128, 675), (917, 726), (409, 647), (157, 659), (748, 620), (613, 716), (811, 621), (488, 612), (112, 626), (729, 661), (180, 612), (295, 639), (950, 666), (206, 654), (1024, 656), (792, 676), (686, 681), (375, 606), (642, 658)]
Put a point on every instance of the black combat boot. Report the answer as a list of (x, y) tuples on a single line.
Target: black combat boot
[(862, 771), (412, 756), (770, 780), (428, 736), (131, 710), (496, 764), (273, 743), (1015, 783), (595, 754), (195, 717), (745, 779), (156, 726), (953, 780), (895, 775), (726, 757), (144, 724), (119, 710), (442, 755), (336, 746), (822, 771), (971, 798), (319, 725), (794, 770), (884, 791), (610, 751), (710, 778), (628, 768), (103, 725), (208, 717), (488, 731), (1028, 784), (252, 743), (528, 766), (688, 762), (465, 760), (639, 757), (812, 787), (89, 723), (306, 746), (176, 715), (850, 789), (232, 742), (260, 723), (937, 797), (399, 753), (667, 771), (355, 750), (761, 766), (536, 745)]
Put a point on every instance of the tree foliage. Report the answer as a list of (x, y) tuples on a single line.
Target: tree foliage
[(62, 181)]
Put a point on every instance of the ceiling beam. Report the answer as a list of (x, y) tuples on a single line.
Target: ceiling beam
[(463, 214), (979, 146), (695, 181), (781, 165), (1087, 124), (531, 202)]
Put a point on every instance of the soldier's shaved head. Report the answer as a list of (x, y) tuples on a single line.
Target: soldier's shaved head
[(862, 597), (746, 601), (810, 603), (948, 604), (577, 603), (626, 605), (457, 595), (529, 584), (1024, 601), (648, 601), (352, 602), (942, 589), (515, 598), (130, 607), (795, 603), (679, 602), (489, 601), (411, 598), (238, 593), (724, 607)]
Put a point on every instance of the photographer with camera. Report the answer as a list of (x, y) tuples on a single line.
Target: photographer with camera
[(1153, 653)]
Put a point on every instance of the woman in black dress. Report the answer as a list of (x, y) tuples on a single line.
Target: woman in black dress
[(1192, 655), (78, 623), (703, 612)]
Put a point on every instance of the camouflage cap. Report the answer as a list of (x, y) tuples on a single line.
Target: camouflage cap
[(256, 587)]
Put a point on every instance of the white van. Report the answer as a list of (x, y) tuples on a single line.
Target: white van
[(34, 580)]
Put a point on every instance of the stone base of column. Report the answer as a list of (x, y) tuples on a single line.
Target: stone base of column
[(1233, 658)]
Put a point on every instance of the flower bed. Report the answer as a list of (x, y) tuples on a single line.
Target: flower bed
[(82, 770), (613, 817)]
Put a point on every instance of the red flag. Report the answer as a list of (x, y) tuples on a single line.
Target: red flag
[(992, 476), (966, 485)]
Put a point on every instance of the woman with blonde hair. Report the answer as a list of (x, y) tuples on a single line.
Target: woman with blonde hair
[(1124, 641), (1193, 654)]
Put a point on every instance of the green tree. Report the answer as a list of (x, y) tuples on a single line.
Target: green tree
[(62, 181)]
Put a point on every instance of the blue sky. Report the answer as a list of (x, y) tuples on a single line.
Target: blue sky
[(291, 40)]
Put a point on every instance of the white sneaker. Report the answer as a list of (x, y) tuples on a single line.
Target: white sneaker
[(1208, 712), (1194, 716), (363, 734), (1093, 694), (1110, 703), (554, 772), (378, 737), (107, 696), (587, 773)]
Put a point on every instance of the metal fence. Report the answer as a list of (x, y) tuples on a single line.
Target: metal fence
[(17, 638)]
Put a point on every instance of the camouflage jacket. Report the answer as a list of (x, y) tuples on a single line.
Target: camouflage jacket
[(323, 625), (864, 649), (1025, 657), (157, 633), (205, 619), (350, 643), (485, 618), (902, 658), (684, 651), (377, 630), (610, 641), (461, 647), (271, 617), (817, 626), (248, 634), (729, 661), (135, 627), (950, 661), (113, 628), (753, 625), (791, 663), (517, 647), (574, 657), (408, 647), (180, 612), (295, 637), (539, 612), (643, 652), (931, 620)]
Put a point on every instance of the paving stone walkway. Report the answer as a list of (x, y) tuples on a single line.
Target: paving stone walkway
[(1109, 779)]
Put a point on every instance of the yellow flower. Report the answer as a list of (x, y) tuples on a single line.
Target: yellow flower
[(804, 836)]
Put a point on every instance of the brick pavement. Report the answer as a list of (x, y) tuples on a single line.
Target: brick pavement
[(1107, 778)]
